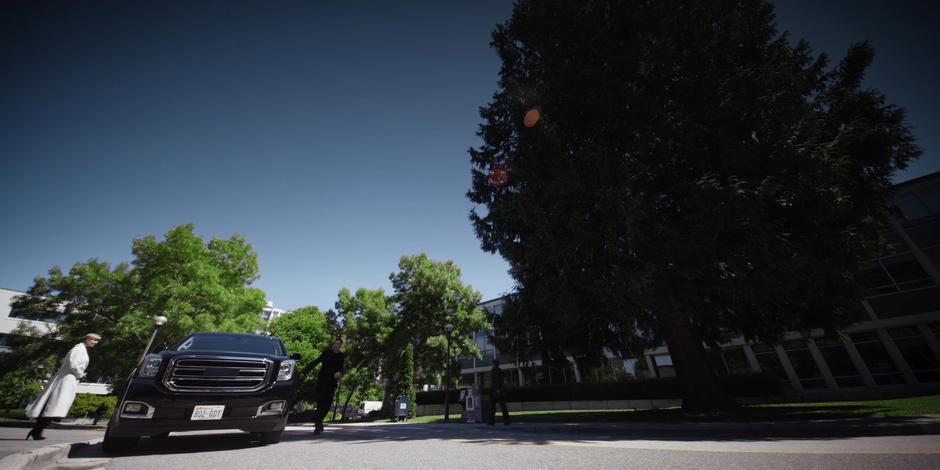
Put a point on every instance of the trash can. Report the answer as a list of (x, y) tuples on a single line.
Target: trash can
[(401, 408)]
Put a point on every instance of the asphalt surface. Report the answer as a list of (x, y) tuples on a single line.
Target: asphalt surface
[(468, 446), (11, 438)]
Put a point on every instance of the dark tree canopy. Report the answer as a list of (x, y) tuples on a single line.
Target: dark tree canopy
[(692, 173)]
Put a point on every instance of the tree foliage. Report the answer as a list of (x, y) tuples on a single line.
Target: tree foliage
[(198, 286), (304, 331), (692, 173), (406, 378), (429, 295)]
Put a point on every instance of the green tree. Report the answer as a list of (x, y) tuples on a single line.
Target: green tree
[(406, 378), (303, 331), (430, 294), (26, 367), (367, 321), (198, 286), (685, 172)]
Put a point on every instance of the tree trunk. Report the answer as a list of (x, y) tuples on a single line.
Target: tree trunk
[(388, 401), (701, 392), (349, 395)]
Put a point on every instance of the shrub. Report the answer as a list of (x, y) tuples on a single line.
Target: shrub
[(16, 413), (750, 385), (86, 404)]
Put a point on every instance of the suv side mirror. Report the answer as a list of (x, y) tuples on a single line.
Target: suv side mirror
[(295, 356)]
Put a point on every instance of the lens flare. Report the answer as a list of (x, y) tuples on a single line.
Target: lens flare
[(532, 117)]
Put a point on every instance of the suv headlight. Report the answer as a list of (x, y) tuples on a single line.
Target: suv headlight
[(150, 365), (287, 370)]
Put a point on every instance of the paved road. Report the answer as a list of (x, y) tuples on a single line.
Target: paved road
[(11, 439), (473, 447)]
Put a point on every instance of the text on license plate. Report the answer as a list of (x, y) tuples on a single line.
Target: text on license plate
[(203, 412)]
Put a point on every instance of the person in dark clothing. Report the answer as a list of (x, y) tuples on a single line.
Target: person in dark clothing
[(497, 395), (327, 380)]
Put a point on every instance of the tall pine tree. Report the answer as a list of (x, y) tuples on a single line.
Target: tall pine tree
[(679, 169)]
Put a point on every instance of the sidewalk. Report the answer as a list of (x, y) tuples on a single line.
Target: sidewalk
[(12, 438), (899, 426)]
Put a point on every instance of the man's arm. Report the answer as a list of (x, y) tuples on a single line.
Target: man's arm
[(339, 369), (314, 363)]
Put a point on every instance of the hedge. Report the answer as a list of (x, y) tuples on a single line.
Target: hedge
[(750, 385), (86, 404)]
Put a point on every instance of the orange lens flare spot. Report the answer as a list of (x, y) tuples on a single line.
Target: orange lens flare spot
[(532, 117)]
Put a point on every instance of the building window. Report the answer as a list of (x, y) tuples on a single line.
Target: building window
[(915, 351), (894, 241), (893, 274), (935, 328), (906, 303), (926, 234), (804, 365), (729, 361), (906, 272), (876, 357), (912, 208), (840, 365), (769, 362)]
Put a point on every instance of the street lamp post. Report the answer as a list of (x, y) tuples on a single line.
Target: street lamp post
[(448, 328), (158, 321)]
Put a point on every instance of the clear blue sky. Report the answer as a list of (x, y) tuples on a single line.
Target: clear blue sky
[(331, 134)]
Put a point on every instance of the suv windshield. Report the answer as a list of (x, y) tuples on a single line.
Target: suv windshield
[(252, 344)]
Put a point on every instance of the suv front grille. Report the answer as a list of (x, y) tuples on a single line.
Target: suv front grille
[(217, 374)]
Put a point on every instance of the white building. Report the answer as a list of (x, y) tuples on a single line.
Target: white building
[(270, 312)]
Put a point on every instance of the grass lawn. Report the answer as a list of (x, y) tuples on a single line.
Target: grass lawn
[(902, 407)]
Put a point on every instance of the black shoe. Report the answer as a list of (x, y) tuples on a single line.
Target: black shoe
[(318, 429), (36, 436)]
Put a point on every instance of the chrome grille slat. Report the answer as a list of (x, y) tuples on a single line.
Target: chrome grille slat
[(188, 374)]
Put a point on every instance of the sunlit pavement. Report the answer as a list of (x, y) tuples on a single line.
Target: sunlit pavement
[(11, 439), (471, 446)]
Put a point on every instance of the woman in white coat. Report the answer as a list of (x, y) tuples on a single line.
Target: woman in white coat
[(57, 397)]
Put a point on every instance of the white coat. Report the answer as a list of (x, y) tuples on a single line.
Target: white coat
[(57, 397)]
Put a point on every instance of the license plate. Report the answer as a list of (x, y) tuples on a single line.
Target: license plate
[(204, 412)]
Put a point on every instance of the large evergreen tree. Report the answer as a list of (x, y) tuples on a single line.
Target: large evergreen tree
[(679, 168)]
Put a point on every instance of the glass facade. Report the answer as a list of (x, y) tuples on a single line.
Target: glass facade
[(876, 357), (769, 362), (804, 365), (914, 349), (839, 363)]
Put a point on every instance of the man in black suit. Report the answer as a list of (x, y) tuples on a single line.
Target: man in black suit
[(327, 380), (497, 395)]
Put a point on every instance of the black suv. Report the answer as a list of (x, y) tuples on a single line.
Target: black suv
[(207, 381)]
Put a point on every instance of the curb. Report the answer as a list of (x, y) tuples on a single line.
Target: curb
[(41, 458)]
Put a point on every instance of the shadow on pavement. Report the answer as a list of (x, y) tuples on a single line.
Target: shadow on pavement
[(525, 434)]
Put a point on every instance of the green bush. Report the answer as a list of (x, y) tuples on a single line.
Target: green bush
[(750, 385), (16, 413), (86, 403)]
